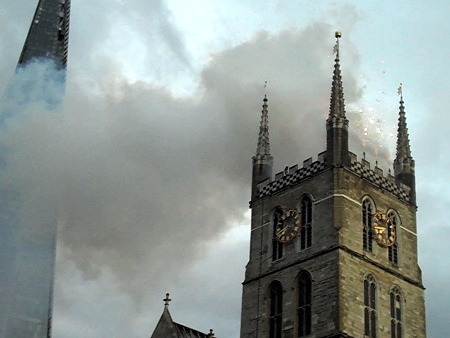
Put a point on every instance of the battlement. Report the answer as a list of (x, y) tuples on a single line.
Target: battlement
[(376, 177), (291, 176)]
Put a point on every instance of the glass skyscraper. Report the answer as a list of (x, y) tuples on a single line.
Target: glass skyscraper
[(27, 244)]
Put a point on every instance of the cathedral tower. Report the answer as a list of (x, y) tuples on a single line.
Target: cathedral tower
[(333, 248), (27, 244)]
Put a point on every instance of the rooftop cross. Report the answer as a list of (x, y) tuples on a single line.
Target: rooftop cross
[(167, 300)]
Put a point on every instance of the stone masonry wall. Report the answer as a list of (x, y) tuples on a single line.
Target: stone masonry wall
[(350, 223), (321, 260), (355, 263), (255, 301), (336, 259), (352, 274)]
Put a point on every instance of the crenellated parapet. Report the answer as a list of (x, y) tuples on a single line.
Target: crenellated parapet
[(294, 175), (376, 177), (291, 176)]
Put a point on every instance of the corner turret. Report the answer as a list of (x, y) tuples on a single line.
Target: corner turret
[(404, 165), (262, 161), (337, 123)]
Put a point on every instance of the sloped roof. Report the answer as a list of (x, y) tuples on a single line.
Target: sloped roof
[(187, 332), (167, 328)]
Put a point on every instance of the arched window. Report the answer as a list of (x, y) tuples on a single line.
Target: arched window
[(277, 247), (396, 313), (370, 307), (276, 310), (367, 214), (306, 229), (304, 304), (393, 249)]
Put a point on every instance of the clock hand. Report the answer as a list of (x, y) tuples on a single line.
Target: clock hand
[(282, 231)]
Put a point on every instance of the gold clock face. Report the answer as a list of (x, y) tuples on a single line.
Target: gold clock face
[(383, 229), (288, 227)]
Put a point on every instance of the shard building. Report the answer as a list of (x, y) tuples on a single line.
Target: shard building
[(48, 36), (27, 244)]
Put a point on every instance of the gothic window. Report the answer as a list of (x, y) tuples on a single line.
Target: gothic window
[(306, 229), (277, 247), (304, 304), (367, 214), (396, 313), (276, 310), (370, 311), (393, 249)]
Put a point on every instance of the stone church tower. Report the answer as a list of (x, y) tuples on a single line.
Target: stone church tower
[(333, 249)]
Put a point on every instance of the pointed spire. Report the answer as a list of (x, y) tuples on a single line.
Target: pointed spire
[(337, 123), (404, 165), (337, 107), (48, 36), (403, 146), (263, 147), (262, 161)]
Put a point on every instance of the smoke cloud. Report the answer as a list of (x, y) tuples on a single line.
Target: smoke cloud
[(145, 184), (140, 180)]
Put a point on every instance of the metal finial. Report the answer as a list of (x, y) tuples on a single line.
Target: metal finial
[(167, 300), (211, 333), (364, 155), (337, 35), (400, 91)]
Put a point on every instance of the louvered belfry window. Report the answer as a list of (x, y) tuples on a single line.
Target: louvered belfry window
[(370, 307), (396, 313), (393, 249), (276, 310), (304, 304), (367, 214), (306, 217), (277, 247)]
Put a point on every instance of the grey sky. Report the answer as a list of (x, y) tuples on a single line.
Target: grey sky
[(149, 163)]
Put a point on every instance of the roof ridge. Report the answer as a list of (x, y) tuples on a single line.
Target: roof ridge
[(190, 328)]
